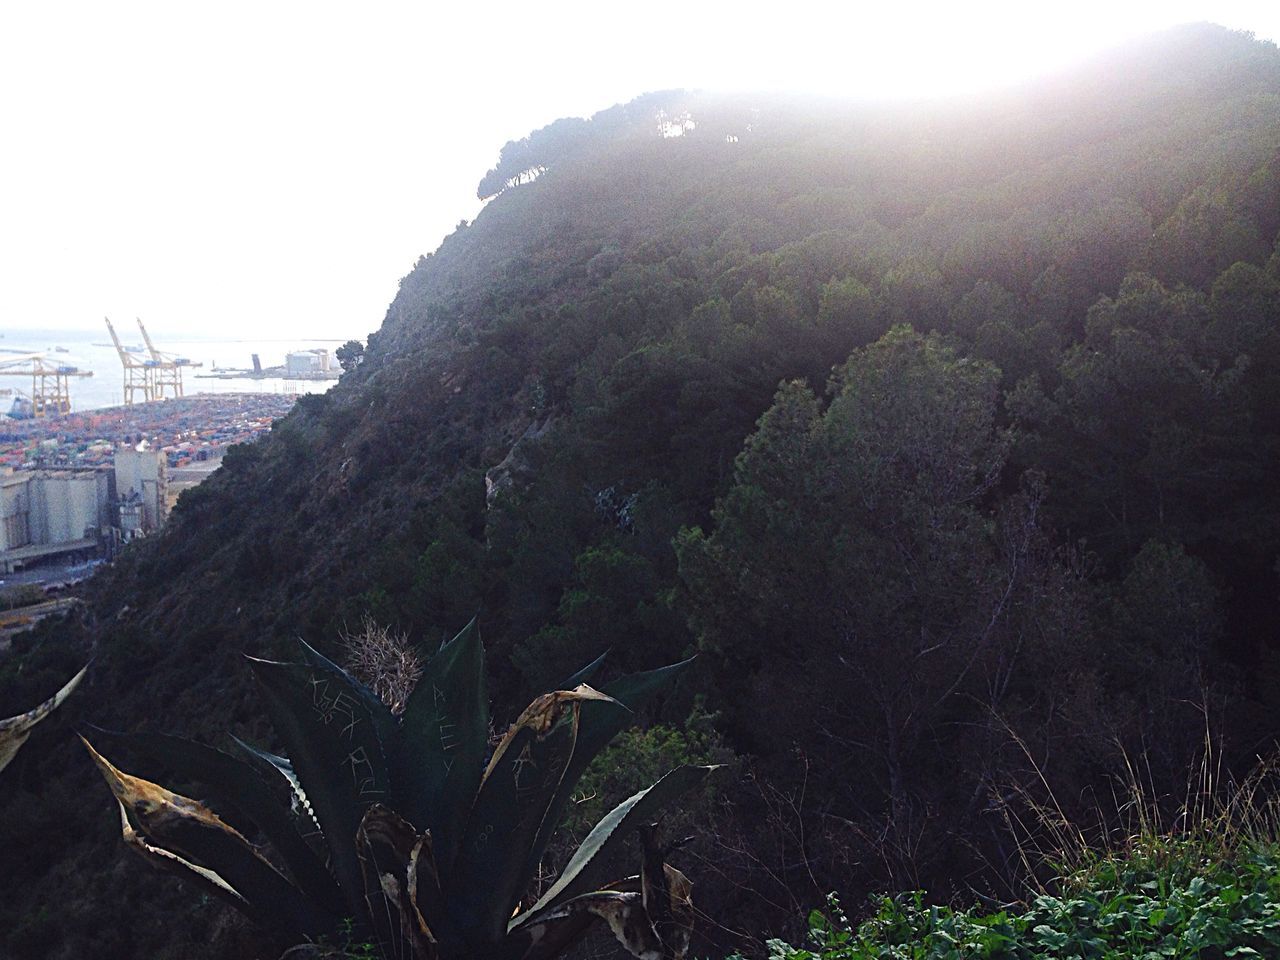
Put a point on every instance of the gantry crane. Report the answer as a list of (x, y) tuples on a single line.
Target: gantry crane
[(165, 367), (50, 382), (138, 374)]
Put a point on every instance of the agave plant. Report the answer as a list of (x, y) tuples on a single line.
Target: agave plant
[(14, 731), (399, 827)]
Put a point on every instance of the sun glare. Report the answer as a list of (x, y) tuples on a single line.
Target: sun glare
[(934, 49), (141, 123)]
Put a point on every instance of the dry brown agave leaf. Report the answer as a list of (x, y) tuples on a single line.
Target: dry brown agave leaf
[(624, 909), (169, 829), (560, 928), (389, 848), (543, 714), (171, 862), (667, 895), (678, 931), (15, 730)]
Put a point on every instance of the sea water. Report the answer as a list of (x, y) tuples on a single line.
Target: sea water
[(93, 350)]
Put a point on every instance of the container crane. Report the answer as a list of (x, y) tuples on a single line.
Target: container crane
[(138, 374), (50, 382), (166, 368)]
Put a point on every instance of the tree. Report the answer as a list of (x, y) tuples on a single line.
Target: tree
[(1142, 437), (350, 355), (1161, 628), (859, 557)]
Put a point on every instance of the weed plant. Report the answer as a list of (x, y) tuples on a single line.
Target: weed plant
[(1202, 884)]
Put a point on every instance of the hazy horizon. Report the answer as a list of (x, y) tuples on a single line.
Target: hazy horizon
[(274, 171)]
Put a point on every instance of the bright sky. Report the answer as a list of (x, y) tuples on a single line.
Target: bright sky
[(272, 168)]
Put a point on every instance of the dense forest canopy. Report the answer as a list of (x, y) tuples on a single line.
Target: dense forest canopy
[(946, 433)]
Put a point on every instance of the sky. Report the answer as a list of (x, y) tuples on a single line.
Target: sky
[(273, 168)]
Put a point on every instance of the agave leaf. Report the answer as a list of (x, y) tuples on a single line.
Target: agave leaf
[(15, 730), (335, 749), (585, 674), (655, 922), (164, 860), (238, 785), (635, 689), (518, 787), (667, 895), (191, 831), (439, 752), (387, 844), (384, 722), (428, 898), (271, 765), (602, 844), (601, 721), (541, 716), (560, 928)]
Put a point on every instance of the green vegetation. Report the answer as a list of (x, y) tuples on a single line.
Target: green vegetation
[(1205, 886), (428, 849), (1208, 892), (1116, 912)]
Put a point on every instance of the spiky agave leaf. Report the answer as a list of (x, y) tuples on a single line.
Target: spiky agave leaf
[(519, 786), (595, 854), (333, 743), (238, 785), (399, 861), (601, 721), (196, 835), (561, 928), (272, 765), (586, 673), (384, 721), (439, 750), (667, 895), (427, 896), (170, 862), (14, 731)]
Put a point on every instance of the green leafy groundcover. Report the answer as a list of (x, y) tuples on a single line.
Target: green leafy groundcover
[(1114, 911)]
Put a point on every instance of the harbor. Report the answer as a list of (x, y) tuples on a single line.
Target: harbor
[(186, 429), (207, 365), (75, 488), (103, 438)]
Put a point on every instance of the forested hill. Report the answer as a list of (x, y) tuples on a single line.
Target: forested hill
[(947, 433)]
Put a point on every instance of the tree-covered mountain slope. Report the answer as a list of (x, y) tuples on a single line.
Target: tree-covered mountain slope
[(945, 432)]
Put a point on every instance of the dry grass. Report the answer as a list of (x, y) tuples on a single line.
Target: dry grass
[(1218, 818), (386, 662)]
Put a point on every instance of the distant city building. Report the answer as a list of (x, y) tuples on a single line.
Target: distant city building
[(302, 363)]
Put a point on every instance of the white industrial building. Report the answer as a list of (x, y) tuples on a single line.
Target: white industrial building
[(52, 512), (141, 490), (303, 363), (47, 512)]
